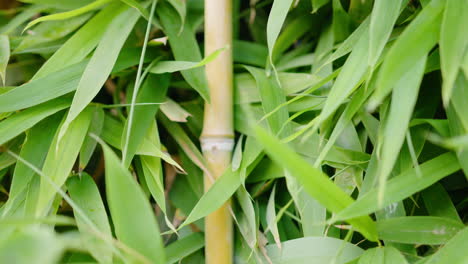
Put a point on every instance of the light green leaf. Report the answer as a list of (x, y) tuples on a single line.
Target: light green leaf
[(37, 142), (453, 43), (89, 144), (316, 4), (348, 80), (60, 160), (418, 38), (383, 17), (68, 14), (81, 43), (143, 12), (184, 47), (18, 123), (42, 90), (271, 218), (223, 188), (175, 66), (4, 56), (153, 91), (101, 63), (418, 229), (127, 203), (174, 111), (85, 194), (402, 186), (404, 97), (438, 203), (183, 247), (50, 31), (36, 246), (313, 181), (382, 255), (276, 18), (454, 251), (313, 250)]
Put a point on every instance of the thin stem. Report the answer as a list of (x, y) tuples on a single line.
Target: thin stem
[(137, 83)]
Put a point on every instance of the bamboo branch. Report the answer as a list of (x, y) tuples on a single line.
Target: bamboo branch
[(217, 136)]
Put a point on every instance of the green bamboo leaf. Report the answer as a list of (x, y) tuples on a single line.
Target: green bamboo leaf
[(346, 117), (223, 188), (404, 97), (453, 43), (247, 91), (457, 118), (85, 194), (418, 38), (139, 7), (112, 134), (153, 90), (101, 63), (50, 31), (40, 245), (37, 142), (427, 230), (312, 213), (42, 90), (183, 247), (62, 4), (438, 203), (174, 111), (180, 7), (184, 47), (313, 181), (61, 158), (127, 202), (81, 43), (316, 4), (453, 251), (18, 123), (350, 42), (276, 18), (341, 21), (4, 56), (271, 96), (313, 250), (21, 18), (271, 218), (251, 53), (68, 14), (402, 186), (348, 80), (89, 144), (382, 255), (246, 221), (383, 17), (175, 66)]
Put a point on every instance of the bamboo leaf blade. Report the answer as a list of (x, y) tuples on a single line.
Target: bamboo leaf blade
[(453, 43), (310, 178), (412, 45), (4, 56), (127, 203), (60, 160), (86, 195), (101, 63), (427, 230), (18, 123), (68, 14), (402, 186)]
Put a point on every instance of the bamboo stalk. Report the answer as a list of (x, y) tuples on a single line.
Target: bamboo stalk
[(217, 136)]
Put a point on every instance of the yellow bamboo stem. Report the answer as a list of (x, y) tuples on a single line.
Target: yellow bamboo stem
[(217, 135)]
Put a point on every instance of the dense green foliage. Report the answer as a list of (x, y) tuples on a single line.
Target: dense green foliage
[(351, 121)]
